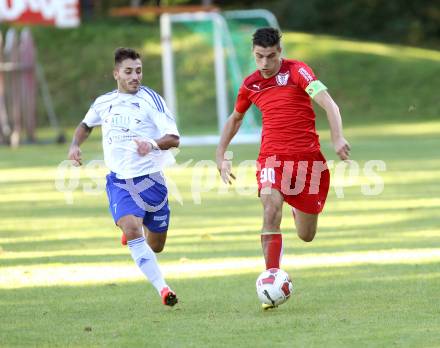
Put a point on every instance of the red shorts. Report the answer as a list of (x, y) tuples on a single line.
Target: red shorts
[(302, 179)]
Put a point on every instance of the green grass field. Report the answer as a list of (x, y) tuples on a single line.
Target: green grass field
[(371, 278)]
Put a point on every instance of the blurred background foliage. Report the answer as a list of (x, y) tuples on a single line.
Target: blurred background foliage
[(399, 21), (358, 48)]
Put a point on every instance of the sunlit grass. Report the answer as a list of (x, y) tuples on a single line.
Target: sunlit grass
[(371, 275), (53, 274), (328, 44), (406, 129)]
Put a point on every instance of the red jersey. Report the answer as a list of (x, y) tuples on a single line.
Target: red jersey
[(288, 116)]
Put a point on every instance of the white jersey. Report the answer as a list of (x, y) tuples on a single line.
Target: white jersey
[(125, 117)]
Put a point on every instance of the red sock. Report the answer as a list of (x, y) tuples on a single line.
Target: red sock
[(272, 244)]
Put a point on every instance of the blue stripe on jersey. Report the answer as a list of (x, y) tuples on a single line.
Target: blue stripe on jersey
[(159, 99), (155, 98)]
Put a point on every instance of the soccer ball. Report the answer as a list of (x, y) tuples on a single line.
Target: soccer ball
[(274, 287)]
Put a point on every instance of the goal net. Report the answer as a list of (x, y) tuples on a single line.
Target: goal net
[(205, 57)]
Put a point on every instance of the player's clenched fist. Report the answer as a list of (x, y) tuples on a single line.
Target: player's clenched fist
[(144, 147), (342, 148)]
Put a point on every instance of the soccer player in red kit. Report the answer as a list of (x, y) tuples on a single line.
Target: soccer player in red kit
[(290, 166)]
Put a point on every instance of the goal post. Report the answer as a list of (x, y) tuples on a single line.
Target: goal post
[(168, 60), (219, 33)]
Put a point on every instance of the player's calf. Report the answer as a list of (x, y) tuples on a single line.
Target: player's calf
[(306, 225), (307, 236), (156, 240), (306, 232), (272, 245)]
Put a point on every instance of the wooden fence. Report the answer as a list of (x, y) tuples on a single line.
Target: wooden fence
[(18, 87)]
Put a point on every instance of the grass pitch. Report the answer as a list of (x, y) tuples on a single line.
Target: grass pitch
[(369, 279)]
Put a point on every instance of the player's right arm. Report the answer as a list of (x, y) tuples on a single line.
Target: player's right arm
[(224, 165), (231, 128), (82, 132)]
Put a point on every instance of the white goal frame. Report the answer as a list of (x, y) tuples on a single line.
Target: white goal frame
[(220, 28)]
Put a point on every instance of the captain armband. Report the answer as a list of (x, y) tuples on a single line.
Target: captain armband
[(315, 87)]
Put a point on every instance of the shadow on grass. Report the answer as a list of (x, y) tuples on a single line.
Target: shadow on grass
[(375, 304)]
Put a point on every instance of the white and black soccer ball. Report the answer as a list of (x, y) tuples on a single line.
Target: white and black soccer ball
[(274, 287)]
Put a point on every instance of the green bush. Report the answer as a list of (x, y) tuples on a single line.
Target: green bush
[(397, 21)]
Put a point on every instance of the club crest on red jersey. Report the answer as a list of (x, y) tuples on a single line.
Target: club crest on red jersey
[(282, 78)]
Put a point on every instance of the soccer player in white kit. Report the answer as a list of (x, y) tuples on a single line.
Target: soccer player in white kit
[(137, 132)]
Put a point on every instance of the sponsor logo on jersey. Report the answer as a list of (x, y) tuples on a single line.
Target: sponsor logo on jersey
[(305, 74), (282, 78), (120, 138)]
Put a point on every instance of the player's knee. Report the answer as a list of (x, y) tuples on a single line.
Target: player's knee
[(307, 238), (132, 232), (157, 248), (271, 214), (156, 244), (130, 229), (307, 235)]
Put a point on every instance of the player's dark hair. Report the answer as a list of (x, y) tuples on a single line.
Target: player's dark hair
[(266, 37), (123, 53)]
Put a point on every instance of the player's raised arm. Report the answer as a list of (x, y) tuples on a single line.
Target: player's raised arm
[(230, 129), (341, 146), (82, 132)]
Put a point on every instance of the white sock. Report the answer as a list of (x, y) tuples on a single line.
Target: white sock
[(146, 260)]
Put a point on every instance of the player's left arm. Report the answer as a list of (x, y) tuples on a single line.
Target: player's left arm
[(166, 124), (325, 101), (166, 142), (304, 77)]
